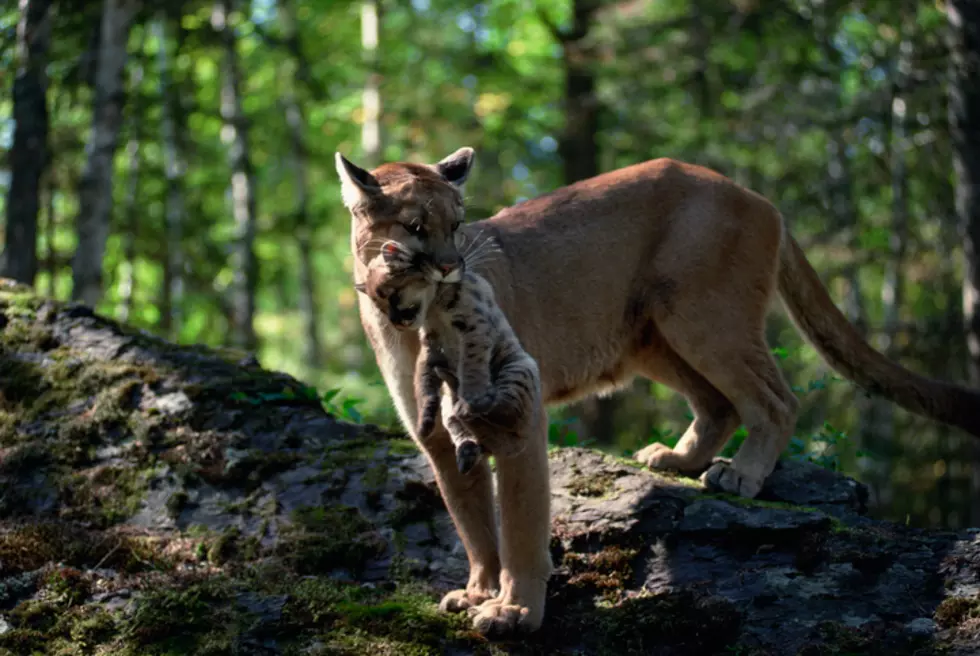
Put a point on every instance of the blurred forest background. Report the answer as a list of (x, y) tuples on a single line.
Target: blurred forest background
[(171, 163)]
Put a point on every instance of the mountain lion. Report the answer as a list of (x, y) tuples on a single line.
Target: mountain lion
[(661, 269)]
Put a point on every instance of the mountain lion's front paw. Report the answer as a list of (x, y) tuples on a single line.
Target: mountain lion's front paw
[(659, 456), (459, 600), (496, 619), (723, 476)]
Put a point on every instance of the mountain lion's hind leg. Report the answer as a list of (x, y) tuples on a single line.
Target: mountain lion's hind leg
[(715, 418), (746, 373)]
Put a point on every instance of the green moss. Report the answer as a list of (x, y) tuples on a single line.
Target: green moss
[(24, 641), (31, 546), (176, 502), (641, 625), (106, 495), (953, 611), (608, 571), (69, 584), (350, 619), (195, 619), (323, 539), (592, 485), (402, 447), (416, 502), (256, 466), (348, 453)]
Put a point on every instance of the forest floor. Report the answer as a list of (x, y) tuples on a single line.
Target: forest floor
[(157, 499)]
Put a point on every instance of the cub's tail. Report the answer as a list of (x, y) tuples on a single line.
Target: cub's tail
[(845, 350)]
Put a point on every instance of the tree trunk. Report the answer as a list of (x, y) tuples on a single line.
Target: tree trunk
[(964, 119), (131, 208), (50, 224), (235, 135), (880, 417), (29, 151), (296, 122), (95, 187), (580, 160), (371, 138), (173, 265), (132, 211)]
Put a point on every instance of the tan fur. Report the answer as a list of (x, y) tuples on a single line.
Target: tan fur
[(664, 270)]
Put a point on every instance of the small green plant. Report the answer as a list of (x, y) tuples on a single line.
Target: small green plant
[(561, 434), (830, 446), (346, 409)]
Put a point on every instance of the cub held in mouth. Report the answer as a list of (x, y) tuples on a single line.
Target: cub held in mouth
[(492, 384)]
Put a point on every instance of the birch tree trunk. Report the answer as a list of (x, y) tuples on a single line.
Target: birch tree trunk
[(29, 151), (371, 143), (131, 208), (235, 136), (95, 187), (964, 119), (296, 123), (173, 165)]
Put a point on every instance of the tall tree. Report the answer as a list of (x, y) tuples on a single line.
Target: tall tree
[(29, 152), (131, 208), (95, 187), (579, 151), (371, 95), (964, 120), (173, 167), (235, 134), (296, 122)]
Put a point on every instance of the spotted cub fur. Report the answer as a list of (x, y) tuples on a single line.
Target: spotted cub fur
[(492, 384)]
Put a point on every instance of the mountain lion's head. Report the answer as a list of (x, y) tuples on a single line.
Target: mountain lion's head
[(417, 206)]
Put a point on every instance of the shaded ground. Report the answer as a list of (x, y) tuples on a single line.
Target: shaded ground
[(165, 500)]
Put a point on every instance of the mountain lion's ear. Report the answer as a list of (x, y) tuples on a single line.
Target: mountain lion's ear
[(456, 167), (361, 287), (356, 184)]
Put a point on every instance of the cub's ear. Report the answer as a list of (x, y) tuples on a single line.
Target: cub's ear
[(361, 287), (356, 184), (456, 167)]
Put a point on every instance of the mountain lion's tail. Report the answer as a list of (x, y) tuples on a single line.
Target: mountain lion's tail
[(845, 350)]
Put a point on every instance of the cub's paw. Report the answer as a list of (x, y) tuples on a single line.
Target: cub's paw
[(459, 600), (476, 406), (496, 619), (722, 476), (468, 454)]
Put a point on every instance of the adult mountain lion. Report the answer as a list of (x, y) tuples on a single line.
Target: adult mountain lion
[(662, 269)]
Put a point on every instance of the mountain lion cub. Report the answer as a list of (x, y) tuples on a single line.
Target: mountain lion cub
[(467, 343)]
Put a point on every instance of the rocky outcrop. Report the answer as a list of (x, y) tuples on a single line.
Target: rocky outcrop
[(158, 499)]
